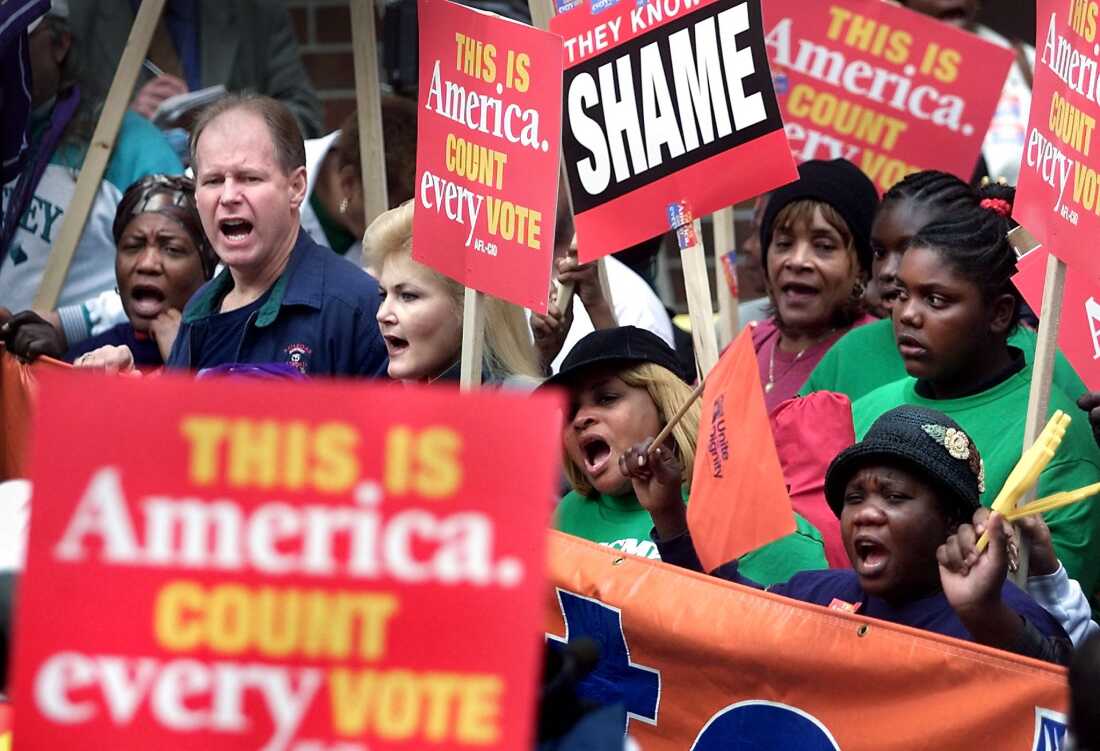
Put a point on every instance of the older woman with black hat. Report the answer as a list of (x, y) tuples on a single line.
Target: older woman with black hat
[(816, 252), (623, 385), (905, 496)]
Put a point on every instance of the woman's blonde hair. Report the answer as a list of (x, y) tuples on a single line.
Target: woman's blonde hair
[(668, 392), (508, 347)]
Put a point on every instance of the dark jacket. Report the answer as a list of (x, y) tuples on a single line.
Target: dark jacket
[(319, 317)]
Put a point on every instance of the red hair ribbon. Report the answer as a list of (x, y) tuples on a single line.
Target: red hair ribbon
[(997, 205)]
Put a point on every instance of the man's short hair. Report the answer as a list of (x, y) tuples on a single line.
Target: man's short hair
[(290, 149)]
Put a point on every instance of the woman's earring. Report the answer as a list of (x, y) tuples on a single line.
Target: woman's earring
[(858, 290), (344, 205)]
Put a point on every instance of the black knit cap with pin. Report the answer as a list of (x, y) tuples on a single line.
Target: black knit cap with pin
[(838, 183), (923, 440)]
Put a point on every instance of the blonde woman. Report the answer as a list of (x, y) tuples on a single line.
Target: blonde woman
[(420, 315), (623, 385)]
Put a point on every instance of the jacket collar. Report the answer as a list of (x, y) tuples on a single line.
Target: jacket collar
[(301, 283)]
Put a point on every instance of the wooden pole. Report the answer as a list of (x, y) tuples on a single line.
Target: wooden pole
[(473, 339), (541, 13), (725, 241), (1042, 374), (99, 153), (368, 104), (671, 424), (693, 258)]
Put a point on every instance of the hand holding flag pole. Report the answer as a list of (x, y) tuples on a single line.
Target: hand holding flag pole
[(667, 429)]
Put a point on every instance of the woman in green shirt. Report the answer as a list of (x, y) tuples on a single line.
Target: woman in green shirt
[(955, 310), (623, 386), (867, 357)]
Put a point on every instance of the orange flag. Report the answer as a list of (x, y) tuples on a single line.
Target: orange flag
[(18, 388), (739, 498)]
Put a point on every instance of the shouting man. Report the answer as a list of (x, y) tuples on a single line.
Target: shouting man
[(282, 299)]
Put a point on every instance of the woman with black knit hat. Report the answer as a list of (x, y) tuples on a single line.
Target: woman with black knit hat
[(816, 253), (905, 496)]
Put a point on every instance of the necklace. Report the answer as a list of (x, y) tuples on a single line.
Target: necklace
[(798, 356), (771, 366)]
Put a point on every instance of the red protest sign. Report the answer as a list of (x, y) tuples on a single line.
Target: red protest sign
[(235, 564), (739, 498), (886, 88), (487, 151), (1079, 332), (666, 102), (1057, 196)]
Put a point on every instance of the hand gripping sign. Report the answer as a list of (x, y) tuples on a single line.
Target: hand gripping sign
[(665, 101), (882, 86), (487, 151), (282, 567)]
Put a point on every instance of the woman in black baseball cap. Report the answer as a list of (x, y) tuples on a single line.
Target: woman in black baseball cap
[(623, 385), (905, 496)]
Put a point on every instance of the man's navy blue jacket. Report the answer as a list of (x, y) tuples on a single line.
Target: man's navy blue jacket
[(319, 317)]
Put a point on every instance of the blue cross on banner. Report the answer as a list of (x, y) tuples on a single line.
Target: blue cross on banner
[(616, 678)]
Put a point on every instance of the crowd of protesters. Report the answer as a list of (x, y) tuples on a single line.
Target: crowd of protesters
[(263, 263)]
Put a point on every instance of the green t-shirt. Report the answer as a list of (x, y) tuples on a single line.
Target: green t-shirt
[(867, 357), (621, 523), (994, 420)]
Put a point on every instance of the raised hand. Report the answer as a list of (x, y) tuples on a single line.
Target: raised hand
[(585, 278), (149, 96), (657, 477), (164, 329), (549, 332)]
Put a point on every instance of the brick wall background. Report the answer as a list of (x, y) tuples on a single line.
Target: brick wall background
[(323, 28)]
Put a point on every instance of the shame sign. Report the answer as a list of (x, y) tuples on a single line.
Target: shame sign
[(674, 96)]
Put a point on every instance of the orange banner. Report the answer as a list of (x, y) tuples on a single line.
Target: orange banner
[(705, 664), (17, 393)]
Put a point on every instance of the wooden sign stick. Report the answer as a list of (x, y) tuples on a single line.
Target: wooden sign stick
[(368, 102), (667, 429), (725, 241), (1050, 319), (99, 153), (541, 13), (473, 339), (693, 258)]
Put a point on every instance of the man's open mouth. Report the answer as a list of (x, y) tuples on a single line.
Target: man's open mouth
[(235, 229)]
